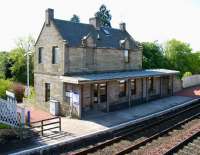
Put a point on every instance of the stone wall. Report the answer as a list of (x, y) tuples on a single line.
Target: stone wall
[(190, 81), (113, 92), (49, 37), (81, 59), (91, 59), (87, 96), (56, 89), (177, 84)]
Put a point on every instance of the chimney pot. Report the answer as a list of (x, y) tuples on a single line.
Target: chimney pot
[(122, 26), (49, 15)]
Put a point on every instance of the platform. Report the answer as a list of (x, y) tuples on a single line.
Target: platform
[(73, 129)]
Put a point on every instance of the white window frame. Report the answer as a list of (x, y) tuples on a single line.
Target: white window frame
[(126, 56), (55, 55), (40, 55)]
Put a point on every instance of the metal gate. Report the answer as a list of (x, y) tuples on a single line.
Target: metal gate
[(8, 113)]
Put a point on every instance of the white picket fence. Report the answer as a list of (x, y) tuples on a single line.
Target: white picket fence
[(9, 114)]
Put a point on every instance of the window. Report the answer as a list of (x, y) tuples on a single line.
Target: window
[(40, 53), (126, 56), (122, 85), (151, 83), (95, 93), (47, 92), (133, 87), (55, 55), (68, 96)]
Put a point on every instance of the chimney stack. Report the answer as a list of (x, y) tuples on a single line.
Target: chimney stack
[(122, 26), (49, 15), (95, 21)]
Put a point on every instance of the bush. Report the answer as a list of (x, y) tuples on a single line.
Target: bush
[(4, 85), (186, 74), (18, 89), (4, 126)]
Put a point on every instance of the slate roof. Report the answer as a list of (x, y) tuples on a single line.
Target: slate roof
[(78, 79), (74, 32)]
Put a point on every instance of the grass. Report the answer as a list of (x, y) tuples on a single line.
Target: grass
[(4, 126)]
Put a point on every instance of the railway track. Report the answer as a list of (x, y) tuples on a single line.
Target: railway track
[(150, 148), (188, 146), (134, 137)]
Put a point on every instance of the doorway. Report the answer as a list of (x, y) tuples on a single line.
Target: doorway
[(100, 96)]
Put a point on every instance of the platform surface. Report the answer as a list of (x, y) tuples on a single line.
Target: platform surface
[(73, 129), (99, 121)]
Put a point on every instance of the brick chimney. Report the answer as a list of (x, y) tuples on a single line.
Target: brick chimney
[(95, 21), (49, 15), (122, 26)]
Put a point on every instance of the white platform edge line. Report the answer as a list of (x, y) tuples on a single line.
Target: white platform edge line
[(53, 145)]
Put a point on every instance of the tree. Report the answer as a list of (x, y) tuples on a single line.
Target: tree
[(18, 68), (5, 66), (179, 55), (75, 19), (186, 74), (153, 56), (104, 15), (4, 85), (17, 57)]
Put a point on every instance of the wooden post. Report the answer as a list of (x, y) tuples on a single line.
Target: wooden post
[(129, 93), (42, 128), (107, 102), (59, 124), (160, 86), (91, 95), (98, 94), (142, 87), (147, 93), (172, 89), (81, 101)]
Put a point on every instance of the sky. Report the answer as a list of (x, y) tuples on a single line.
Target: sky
[(146, 20)]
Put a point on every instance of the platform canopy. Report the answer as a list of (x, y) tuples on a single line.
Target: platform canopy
[(90, 78)]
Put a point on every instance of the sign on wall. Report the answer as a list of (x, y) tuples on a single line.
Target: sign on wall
[(74, 103)]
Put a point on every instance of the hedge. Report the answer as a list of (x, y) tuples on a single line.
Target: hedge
[(4, 85)]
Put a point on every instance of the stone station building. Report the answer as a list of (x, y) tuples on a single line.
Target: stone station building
[(89, 68)]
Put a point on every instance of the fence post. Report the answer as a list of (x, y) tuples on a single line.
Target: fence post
[(60, 124), (29, 118), (42, 127)]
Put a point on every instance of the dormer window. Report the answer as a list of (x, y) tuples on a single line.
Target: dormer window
[(106, 32), (40, 55), (55, 55), (122, 43), (84, 41), (126, 56)]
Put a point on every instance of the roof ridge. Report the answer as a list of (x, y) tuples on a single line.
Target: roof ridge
[(72, 22), (86, 24)]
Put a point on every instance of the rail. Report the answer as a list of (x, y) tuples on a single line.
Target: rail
[(182, 144), (139, 128), (155, 136)]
